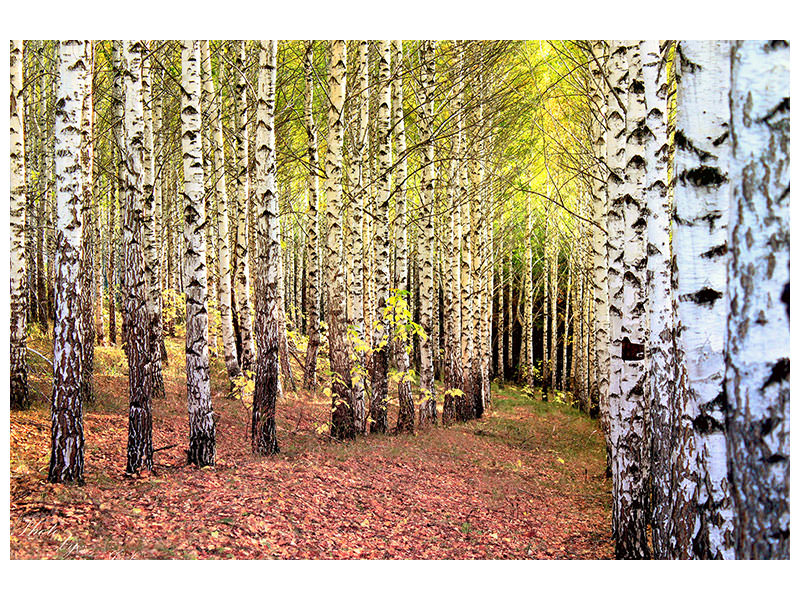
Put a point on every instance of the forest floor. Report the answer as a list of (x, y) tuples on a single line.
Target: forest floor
[(525, 481)]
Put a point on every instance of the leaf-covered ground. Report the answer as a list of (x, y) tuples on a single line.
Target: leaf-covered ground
[(526, 481)]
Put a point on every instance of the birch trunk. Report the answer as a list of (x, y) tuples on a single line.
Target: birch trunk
[(659, 347), (564, 383), (453, 371), (552, 367), (67, 443), (120, 185), (358, 192), (342, 424), (464, 402), (381, 339), (617, 68), (631, 460), (546, 287), (223, 227), (242, 275), (149, 237), (599, 236), (134, 317), (267, 385), (87, 256), (312, 274), (202, 446), (19, 369), (405, 418), (527, 293), (757, 363), (701, 520)]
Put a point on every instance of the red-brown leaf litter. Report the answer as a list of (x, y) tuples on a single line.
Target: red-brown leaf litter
[(525, 481)]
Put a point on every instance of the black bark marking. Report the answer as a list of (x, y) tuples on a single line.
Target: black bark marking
[(632, 351), (703, 176), (780, 372), (785, 298), (720, 139), (781, 107), (704, 296), (720, 250), (706, 424)]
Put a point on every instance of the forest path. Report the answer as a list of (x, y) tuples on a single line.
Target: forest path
[(526, 481)]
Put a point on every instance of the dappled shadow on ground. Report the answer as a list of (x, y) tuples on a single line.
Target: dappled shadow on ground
[(526, 481)]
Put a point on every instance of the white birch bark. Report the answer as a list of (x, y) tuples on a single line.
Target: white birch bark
[(134, 317), (358, 192), (405, 419), (617, 188), (268, 300), (631, 464), (242, 275), (380, 354), (599, 385), (312, 242), (89, 234), (67, 442), (757, 365), (19, 370), (342, 423), (202, 446), (701, 525), (426, 240), (150, 224), (223, 226), (527, 293)]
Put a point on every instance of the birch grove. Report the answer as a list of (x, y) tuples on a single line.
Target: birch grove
[(599, 225)]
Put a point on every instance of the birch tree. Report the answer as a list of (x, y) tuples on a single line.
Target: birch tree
[(405, 419), (600, 253), (223, 235), (380, 354), (660, 344), (757, 348), (134, 318), (427, 409), (702, 526), (19, 369), (312, 244), (67, 442), (267, 386), (149, 238), (87, 255), (342, 423), (202, 435), (242, 288), (358, 191)]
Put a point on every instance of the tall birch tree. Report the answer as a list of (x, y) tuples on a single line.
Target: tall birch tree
[(427, 409), (19, 369), (702, 523), (66, 433), (135, 318), (267, 385), (312, 243), (342, 423), (242, 275), (757, 348), (380, 354), (202, 433), (223, 235)]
